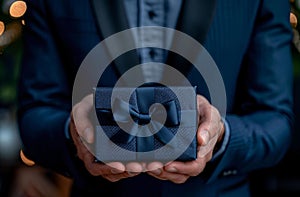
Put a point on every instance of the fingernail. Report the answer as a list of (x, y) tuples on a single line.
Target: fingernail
[(205, 136), (156, 172), (88, 135), (171, 169), (115, 171), (131, 173)]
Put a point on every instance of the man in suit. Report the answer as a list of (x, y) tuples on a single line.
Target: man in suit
[(248, 40)]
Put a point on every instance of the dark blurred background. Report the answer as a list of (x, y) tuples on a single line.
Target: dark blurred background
[(21, 177), (284, 178)]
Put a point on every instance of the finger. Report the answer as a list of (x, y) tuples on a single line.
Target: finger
[(80, 147), (205, 157), (81, 150), (81, 113), (209, 147), (156, 176), (210, 127), (79, 142), (99, 169), (204, 133), (134, 168), (190, 168), (203, 107), (155, 169), (174, 177), (96, 169), (203, 136), (204, 112), (88, 134), (155, 166), (115, 168), (115, 178)]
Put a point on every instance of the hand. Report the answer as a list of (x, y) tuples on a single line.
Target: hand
[(82, 133), (210, 131)]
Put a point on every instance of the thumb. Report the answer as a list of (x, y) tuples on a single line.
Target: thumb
[(81, 113), (88, 135), (203, 136)]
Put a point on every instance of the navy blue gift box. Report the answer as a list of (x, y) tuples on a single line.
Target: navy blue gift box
[(146, 124)]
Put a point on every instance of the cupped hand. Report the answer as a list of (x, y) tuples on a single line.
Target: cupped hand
[(210, 132), (82, 132)]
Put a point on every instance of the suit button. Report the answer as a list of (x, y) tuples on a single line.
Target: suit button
[(152, 53), (229, 172), (151, 14)]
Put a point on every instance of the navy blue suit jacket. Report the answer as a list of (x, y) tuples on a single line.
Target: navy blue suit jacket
[(250, 43)]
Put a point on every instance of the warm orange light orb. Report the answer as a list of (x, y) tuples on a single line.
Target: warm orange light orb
[(2, 28), (27, 161), (293, 20), (17, 9)]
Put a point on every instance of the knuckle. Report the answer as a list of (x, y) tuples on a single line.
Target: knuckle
[(91, 168), (162, 176), (209, 157), (214, 110), (201, 168), (76, 110), (113, 180), (92, 171), (109, 178), (195, 173), (80, 155), (180, 180)]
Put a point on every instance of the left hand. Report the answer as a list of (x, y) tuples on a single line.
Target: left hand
[(82, 132), (210, 131)]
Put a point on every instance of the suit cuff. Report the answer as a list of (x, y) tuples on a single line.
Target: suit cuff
[(69, 140), (225, 141), (67, 130)]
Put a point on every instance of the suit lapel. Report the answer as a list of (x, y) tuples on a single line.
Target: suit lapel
[(111, 18), (194, 19)]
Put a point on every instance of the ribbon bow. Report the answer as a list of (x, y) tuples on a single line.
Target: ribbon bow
[(164, 135), (121, 113), (147, 125)]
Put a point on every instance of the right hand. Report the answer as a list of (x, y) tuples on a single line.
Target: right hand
[(82, 133)]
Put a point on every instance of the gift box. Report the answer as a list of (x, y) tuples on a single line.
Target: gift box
[(145, 124)]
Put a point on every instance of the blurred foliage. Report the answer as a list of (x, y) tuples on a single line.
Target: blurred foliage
[(10, 60), (11, 11), (296, 62)]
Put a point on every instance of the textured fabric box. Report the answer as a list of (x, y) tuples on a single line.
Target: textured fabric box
[(132, 125)]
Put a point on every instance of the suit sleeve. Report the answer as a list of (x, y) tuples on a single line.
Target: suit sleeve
[(261, 126), (44, 93)]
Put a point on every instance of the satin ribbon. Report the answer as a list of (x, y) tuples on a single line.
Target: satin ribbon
[(141, 115), (163, 135)]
